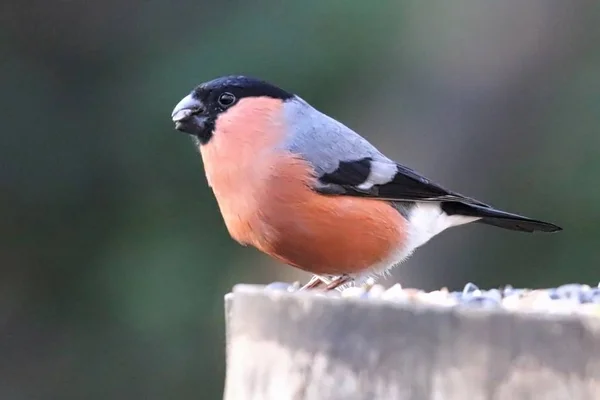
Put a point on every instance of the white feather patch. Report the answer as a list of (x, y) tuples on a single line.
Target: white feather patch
[(427, 220), (380, 174)]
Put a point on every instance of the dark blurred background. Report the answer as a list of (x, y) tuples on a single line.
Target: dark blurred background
[(114, 259)]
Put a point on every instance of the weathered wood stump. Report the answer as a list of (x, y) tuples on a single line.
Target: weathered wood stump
[(304, 346)]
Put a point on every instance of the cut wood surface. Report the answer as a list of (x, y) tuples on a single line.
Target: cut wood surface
[(302, 345)]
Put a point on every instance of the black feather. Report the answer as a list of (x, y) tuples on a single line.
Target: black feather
[(351, 173), (408, 185), (502, 219)]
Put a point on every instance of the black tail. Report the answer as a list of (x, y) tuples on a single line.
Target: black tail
[(502, 219)]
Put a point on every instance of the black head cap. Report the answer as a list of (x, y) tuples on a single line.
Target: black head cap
[(196, 113), (240, 86)]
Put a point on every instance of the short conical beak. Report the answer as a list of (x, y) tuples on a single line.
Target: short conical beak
[(188, 116)]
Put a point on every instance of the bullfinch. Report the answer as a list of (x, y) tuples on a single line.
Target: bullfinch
[(307, 190)]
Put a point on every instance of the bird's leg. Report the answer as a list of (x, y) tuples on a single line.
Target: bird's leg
[(315, 282), (337, 282)]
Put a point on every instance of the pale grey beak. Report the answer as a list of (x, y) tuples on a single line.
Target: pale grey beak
[(189, 116), (185, 108)]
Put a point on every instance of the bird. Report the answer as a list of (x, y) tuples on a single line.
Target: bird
[(312, 193)]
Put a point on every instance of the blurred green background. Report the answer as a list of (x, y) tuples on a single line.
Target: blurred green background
[(114, 258)]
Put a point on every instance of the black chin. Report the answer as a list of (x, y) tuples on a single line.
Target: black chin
[(191, 126)]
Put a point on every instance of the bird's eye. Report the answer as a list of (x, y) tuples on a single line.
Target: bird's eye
[(226, 99)]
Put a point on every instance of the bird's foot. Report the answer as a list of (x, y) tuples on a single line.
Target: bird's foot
[(337, 282), (330, 284), (315, 282)]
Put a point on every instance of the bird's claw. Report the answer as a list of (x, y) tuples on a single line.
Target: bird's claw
[(315, 282)]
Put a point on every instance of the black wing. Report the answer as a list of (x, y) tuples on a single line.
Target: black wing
[(394, 182)]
